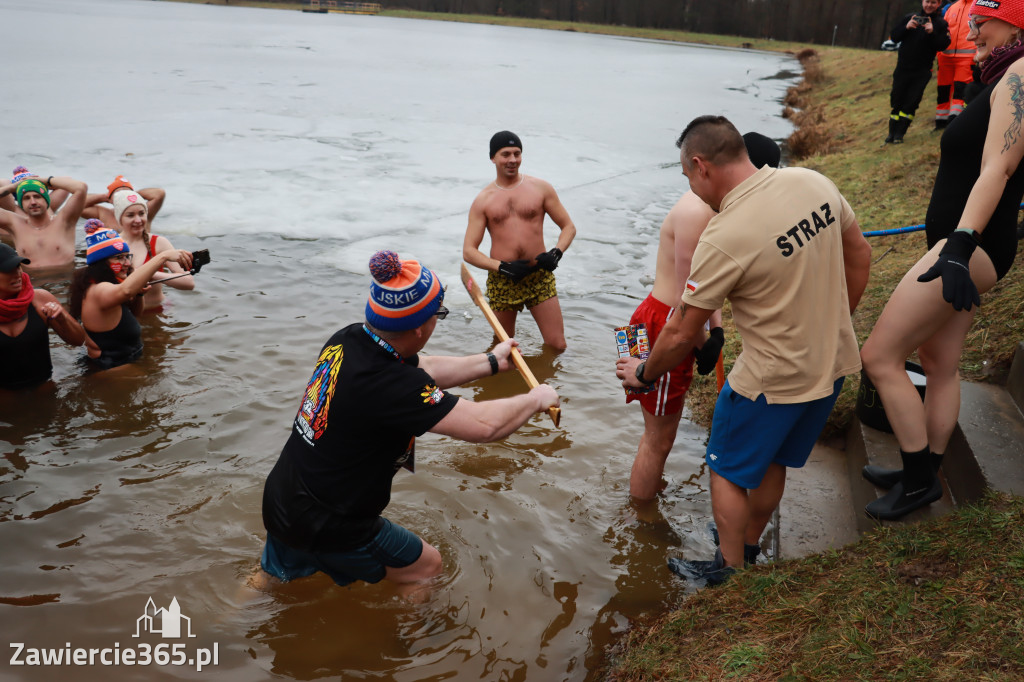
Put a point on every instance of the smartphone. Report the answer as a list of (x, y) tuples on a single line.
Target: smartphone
[(199, 259)]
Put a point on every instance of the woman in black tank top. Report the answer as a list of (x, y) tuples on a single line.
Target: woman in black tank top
[(106, 294), (26, 314), (971, 228)]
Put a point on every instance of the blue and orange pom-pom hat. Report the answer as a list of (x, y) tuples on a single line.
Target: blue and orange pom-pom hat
[(101, 242), (403, 293)]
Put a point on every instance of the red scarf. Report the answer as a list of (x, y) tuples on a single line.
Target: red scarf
[(13, 309)]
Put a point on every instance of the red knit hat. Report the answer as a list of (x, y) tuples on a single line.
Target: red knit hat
[(1010, 11)]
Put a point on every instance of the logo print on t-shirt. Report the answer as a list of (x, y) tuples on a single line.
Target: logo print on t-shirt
[(432, 394), (311, 420)]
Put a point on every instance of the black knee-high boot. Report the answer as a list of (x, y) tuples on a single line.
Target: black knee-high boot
[(901, 129), (892, 130), (887, 478), (919, 486)]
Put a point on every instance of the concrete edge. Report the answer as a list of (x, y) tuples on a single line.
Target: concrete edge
[(1015, 382)]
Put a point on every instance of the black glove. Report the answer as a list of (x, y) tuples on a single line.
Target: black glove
[(515, 270), (707, 356), (954, 268), (549, 260)]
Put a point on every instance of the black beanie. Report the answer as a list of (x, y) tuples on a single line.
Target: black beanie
[(763, 151), (505, 138)]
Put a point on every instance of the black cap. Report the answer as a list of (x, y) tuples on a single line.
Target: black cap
[(505, 138), (9, 259), (763, 151)]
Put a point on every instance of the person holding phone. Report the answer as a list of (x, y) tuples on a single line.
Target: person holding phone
[(920, 36), (107, 294)]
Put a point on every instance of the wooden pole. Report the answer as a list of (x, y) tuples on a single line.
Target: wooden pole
[(499, 331)]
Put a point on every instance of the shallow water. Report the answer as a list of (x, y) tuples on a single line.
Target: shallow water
[(292, 146)]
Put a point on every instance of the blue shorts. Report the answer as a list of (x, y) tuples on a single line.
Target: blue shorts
[(749, 435), (393, 546)]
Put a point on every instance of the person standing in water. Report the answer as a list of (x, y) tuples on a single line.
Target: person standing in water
[(48, 240), (132, 219), (662, 406), (26, 313), (520, 267), (106, 294)]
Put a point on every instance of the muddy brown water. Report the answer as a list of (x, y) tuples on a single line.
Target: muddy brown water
[(145, 483)]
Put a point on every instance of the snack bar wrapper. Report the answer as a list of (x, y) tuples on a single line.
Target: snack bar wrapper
[(632, 342)]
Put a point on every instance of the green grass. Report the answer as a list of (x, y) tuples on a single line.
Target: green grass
[(937, 601)]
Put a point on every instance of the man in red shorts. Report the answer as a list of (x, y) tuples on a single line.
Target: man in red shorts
[(663, 403)]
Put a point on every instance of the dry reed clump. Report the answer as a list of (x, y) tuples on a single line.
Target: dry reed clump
[(812, 135)]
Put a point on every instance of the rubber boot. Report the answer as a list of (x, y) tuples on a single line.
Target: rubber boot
[(918, 487), (892, 130), (901, 129), (887, 478), (750, 552)]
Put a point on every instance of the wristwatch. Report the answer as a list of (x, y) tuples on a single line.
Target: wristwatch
[(640, 375)]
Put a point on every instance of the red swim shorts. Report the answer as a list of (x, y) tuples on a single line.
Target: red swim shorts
[(670, 389)]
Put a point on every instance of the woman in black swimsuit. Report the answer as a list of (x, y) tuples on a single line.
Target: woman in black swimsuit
[(107, 294), (971, 227)]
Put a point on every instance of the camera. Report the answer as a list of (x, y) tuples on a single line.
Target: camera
[(199, 259), (921, 19)]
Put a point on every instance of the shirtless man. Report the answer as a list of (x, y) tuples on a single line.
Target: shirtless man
[(57, 196), (511, 210), (662, 406), (48, 240)]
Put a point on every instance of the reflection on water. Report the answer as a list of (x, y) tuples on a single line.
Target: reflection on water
[(146, 482)]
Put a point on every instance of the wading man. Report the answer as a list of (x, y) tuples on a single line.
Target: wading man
[(520, 268), (786, 250), (662, 406), (371, 394)]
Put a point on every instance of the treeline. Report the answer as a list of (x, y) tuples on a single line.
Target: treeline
[(864, 23)]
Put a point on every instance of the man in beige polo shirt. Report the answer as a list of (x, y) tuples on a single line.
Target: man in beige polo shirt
[(786, 250)]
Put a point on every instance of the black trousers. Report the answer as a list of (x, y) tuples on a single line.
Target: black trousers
[(907, 90)]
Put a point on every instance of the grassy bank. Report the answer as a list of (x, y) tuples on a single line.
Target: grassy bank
[(936, 601)]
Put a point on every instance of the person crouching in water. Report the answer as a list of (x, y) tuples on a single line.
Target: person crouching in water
[(106, 294)]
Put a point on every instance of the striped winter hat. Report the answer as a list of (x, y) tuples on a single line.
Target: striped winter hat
[(101, 243), (403, 293), (22, 173)]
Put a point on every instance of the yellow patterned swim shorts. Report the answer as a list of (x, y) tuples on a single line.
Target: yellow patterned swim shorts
[(504, 294)]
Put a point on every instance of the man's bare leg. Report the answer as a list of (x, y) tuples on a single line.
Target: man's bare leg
[(548, 316), (645, 479), (507, 319), (427, 566), (731, 509), (762, 502)]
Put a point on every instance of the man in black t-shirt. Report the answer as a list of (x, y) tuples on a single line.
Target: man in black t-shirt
[(370, 395)]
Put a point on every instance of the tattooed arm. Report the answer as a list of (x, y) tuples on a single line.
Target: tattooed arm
[(1004, 148)]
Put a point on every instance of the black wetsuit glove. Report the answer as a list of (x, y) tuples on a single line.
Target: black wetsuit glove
[(707, 356), (515, 270), (549, 260), (954, 268)]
